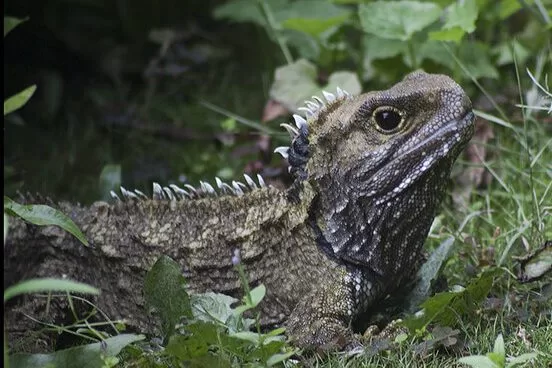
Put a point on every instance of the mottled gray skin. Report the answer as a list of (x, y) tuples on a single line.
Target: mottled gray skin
[(346, 234)]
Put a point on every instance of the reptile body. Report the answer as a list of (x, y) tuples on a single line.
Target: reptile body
[(370, 172)]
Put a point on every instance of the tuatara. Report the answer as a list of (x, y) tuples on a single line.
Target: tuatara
[(370, 172)]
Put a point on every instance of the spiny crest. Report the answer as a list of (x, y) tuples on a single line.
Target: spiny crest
[(296, 156), (175, 193), (297, 153)]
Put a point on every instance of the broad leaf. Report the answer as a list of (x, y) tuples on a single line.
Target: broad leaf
[(435, 51), (297, 82), (240, 11), (212, 307), (475, 57), (314, 17), (250, 336), (307, 46), (462, 14), (453, 34), (447, 307), (40, 214), (499, 346), (10, 23), (381, 48), (478, 361), (397, 20), (279, 358), (164, 291), (18, 100), (85, 356), (520, 359), (428, 273), (202, 336), (508, 51), (252, 11), (257, 294)]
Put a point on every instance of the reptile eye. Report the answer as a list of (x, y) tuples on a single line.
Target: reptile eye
[(387, 119)]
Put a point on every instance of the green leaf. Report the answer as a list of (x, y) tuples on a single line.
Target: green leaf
[(297, 82), (475, 57), (10, 23), (212, 307), (498, 359), (314, 17), (428, 273), (432, 307), (241, 309), (276, 331), (228, 125), (46, 285), (252, 11), (250, 336), (257, 294), (201, 337), (436, 52), (508, 7), (280, 357), (521, 359), (454, 34), (400, 338), (40, 214), (307, 46), (18, 100), (397, 20), (240, 11), (164, 291), (85, 356), (446, 308), (463, 15), (380, 48), (313, 27), (478, 361), (499, 346), (508, 51)]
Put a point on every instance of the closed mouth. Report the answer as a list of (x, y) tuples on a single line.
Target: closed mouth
[(461, 128)]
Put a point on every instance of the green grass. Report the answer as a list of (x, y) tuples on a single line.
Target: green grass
[(478, 337)]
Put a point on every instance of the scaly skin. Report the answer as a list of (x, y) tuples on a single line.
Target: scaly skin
[(370, 172)]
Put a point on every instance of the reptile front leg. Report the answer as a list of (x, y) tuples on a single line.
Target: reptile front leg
[(322, 319)]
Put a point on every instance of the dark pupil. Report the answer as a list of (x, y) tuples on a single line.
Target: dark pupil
[(388, 120)]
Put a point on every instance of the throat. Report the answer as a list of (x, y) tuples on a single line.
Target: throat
[(383, 237)]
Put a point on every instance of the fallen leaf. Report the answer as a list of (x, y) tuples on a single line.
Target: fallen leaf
[(272, 110), (537, 264)]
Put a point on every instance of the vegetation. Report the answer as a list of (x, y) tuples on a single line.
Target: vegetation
[(174, 92)]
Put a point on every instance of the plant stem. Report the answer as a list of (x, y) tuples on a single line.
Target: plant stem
[(273, 27)]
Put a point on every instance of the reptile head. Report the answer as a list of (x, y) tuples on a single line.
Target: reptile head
[(379, 163)]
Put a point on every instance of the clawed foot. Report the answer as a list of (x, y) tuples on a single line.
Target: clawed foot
[(323, 335), (390, 332)]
